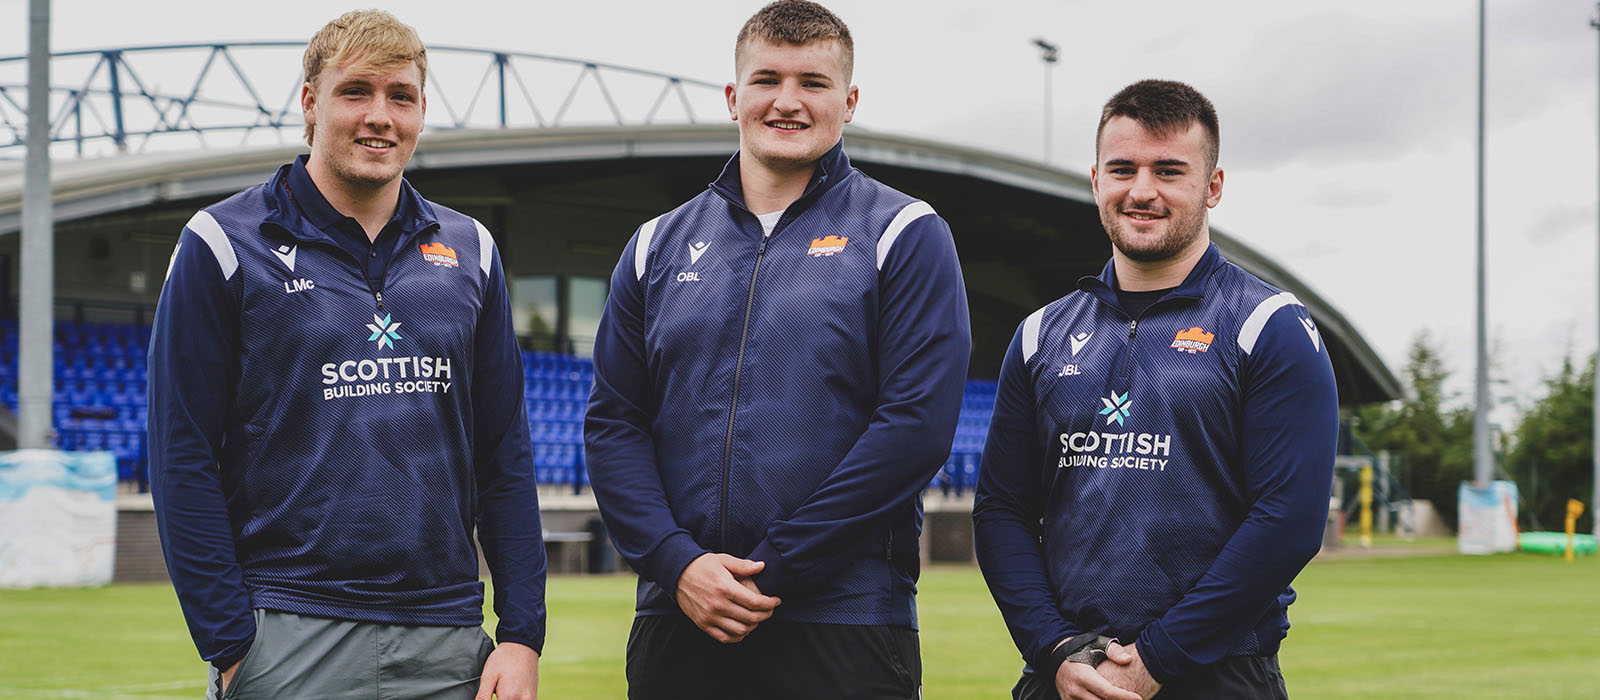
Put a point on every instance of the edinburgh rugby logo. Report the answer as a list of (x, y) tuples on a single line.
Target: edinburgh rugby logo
[(1193, 341), (827, 245), (440, 254)]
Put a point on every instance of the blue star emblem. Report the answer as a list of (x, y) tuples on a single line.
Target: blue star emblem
[(384, 332), (1116, 407)]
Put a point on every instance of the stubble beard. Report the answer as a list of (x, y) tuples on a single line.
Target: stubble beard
[(1180, 235)]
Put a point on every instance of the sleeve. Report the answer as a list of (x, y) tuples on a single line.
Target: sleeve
[(924, 341), (1289, 428), (193, 367), (1006, 517), (619, 449), (508, 497)]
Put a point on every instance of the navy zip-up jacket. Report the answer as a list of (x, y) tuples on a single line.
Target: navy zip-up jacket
[(1161, 478), (326, 430), (783, 398)]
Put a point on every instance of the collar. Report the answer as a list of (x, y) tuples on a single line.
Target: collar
[(299, 209), (1193, 287), (832, 168)]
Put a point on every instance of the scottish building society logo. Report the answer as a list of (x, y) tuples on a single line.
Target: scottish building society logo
[(384, 331), (1116, 407), (1104, 450)]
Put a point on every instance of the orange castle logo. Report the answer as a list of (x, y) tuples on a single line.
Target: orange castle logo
[(1193, 341), (827, 245), (440, 254)]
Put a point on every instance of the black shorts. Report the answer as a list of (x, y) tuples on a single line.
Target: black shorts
[(669, 658), (1236, 677)]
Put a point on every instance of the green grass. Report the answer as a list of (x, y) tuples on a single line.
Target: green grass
[(1435, 625)]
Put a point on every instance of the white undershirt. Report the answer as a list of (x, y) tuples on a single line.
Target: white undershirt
[(769, 221)]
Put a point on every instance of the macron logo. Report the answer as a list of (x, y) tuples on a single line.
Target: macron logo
[(285, 253), (1311, 330), (1080, 340), (696, 250)]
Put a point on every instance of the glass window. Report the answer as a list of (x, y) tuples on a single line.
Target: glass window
[(587, 301), (535, 304)]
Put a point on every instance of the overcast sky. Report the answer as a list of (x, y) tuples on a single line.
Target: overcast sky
[(1348, 130)]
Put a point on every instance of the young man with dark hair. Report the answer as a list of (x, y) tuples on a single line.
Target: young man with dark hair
[(777, 377), (1161, 453), (318, 473)]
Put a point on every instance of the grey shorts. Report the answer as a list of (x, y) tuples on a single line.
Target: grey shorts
[(294, 656)]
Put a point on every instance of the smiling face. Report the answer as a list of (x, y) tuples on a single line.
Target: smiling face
[(791, 102), (366, 122), (1153, 190)]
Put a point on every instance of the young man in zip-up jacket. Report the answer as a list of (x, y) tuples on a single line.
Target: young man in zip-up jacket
[(778, 374), (1161, 452), (336, 404)]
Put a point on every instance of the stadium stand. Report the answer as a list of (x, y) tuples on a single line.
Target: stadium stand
[(100, 404)]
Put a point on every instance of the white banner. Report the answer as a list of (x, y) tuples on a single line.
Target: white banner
[(1487, 518), (58, 518)]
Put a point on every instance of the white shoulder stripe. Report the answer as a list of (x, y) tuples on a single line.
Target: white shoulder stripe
[(485, 247), (207, 228), (1030, 334), (910, 213), (1250, 332), (641, 248)]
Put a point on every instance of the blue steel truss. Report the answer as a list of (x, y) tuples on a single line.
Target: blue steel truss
[(118, 101)]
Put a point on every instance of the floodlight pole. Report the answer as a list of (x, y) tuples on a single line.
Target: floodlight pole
[(35, 309), (1483, 462), (1594, 448), (1050, 54)]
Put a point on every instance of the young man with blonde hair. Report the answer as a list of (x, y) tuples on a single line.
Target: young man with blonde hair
[(1161, 452), (777, 377), (318, 473)]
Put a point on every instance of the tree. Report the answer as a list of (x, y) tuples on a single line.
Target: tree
[(1552, 452), (1434, 444)]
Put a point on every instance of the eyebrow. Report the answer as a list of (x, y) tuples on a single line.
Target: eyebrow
[(769, 71), (1163, 162)]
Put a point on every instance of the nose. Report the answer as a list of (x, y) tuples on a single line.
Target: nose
[(788, 98), (377, 115), (1143, 187)]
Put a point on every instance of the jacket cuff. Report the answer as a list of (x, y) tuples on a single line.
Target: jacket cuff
[(1162, 656), (226, 660), (776, 575), (669, 560), (537, 645)]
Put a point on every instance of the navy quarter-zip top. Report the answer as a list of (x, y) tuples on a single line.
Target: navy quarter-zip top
[(331, 421), (1160, 478), (783, 398)]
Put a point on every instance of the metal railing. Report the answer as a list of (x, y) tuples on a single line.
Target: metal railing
[(143, 98)]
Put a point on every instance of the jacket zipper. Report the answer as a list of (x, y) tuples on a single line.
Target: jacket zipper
[(733, 410), (1127, 358)]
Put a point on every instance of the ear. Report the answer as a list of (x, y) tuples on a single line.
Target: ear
[(850, 103), (1094, 181), (308, 102), (1214, 189), (731, 94)]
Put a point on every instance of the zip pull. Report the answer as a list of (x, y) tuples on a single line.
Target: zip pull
[(1133, 327), (378, 297)]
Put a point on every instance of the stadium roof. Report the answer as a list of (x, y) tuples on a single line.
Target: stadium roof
[(91, 187)]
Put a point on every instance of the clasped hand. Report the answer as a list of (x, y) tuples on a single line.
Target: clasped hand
[(717, 592)]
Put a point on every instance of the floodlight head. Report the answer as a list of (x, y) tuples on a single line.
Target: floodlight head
[(1051, 52)]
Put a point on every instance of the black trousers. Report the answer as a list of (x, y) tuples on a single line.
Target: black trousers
[(671, 659), (1233, 678)]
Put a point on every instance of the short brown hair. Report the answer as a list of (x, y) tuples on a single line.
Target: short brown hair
[(366, 40), (797, 22), (1163, 107)]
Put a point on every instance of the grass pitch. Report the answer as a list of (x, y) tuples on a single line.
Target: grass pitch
[(1427, 624)]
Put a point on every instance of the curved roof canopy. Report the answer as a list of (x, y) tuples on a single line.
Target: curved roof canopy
[(1009, 214)]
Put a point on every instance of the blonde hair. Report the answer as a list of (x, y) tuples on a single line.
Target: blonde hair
[(364, 41)]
